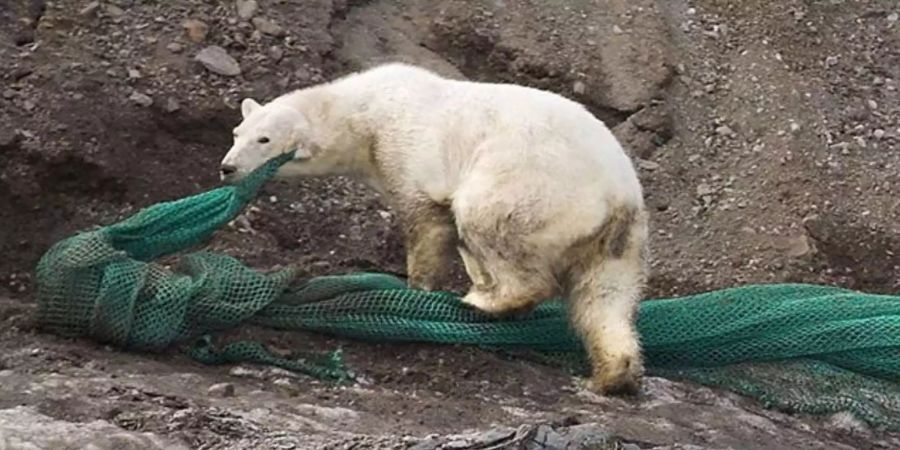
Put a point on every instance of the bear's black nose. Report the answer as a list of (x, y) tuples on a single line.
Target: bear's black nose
[(227, 169)]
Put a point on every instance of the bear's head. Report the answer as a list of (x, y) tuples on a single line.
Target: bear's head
[(266, 132)]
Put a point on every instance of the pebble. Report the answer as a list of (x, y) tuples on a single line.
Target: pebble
[(579, 87), (549, 438), (89, 9), (831, 61), (286, 386), (878, 134), (276, 53), (196, 30), (221, 390), (266, 26), (141, 99), (648, 165), (725, 130), (241, 371), (114, 11), (246, 9), (134, 74), (175, 47), (28, 105), (218, 61), (9, 93), (172, 105)]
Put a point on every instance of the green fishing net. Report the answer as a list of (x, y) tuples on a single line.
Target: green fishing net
[(800, 348)]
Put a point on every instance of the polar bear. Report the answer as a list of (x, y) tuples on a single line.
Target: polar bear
[(535, 193)]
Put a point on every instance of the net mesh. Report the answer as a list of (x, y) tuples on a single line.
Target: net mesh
[(797, 348)]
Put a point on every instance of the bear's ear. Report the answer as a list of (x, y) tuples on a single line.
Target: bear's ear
[(248, 106)]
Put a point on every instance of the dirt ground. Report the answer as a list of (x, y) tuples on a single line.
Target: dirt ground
[(766, 135)]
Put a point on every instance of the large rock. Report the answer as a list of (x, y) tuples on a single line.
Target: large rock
[(613, 57), (217, 60), (23, 428)]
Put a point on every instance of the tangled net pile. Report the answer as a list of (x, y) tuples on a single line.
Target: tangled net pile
[(801, 348)]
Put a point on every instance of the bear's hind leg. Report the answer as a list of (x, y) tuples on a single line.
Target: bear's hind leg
[(604, 290), (504, 282)]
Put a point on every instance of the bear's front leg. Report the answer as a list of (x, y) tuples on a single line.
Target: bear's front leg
[(430, 241)]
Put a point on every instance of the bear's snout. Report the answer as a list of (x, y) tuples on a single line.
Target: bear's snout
[(227, 171)]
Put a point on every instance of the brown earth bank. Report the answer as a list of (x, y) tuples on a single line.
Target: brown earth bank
[(766, 135)]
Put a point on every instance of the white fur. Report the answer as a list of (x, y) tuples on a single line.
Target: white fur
[(439, 131), (499, 157)]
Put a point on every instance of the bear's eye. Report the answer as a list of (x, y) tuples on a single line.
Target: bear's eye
[(263, 140)]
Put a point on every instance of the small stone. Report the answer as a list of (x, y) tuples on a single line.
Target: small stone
[(725, 130), (114, 11), (221, 390), (878, 134), (273, 199), (266, 26), (704, 189), (172, 105), (549, 438), (793, 246), (9, 93), (90, 9), (141, 99), (795, 127), (831, 61), (617, 30), (893, 17), (648, 165), (844, 147), (195, 29), (241, 371), (579, 87), (276, 53), (28, 105), (134, 74), (872, 104), (175, 47), (246, 9), (589, 435), (218, 61), (286, 386)]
